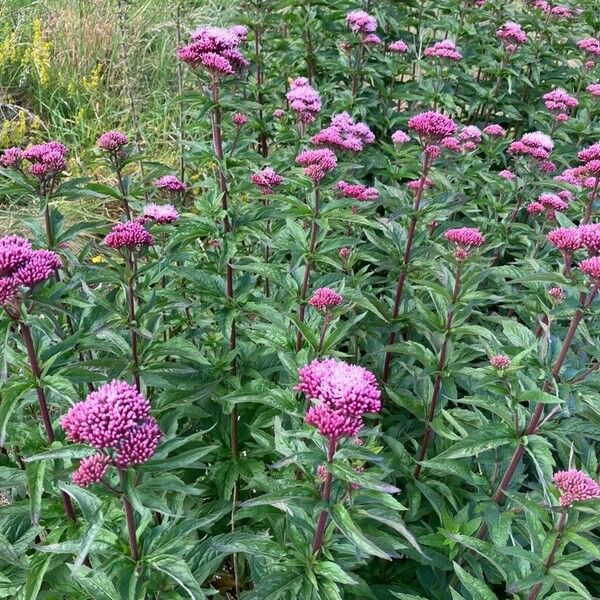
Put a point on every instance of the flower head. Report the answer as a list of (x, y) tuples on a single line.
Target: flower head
[(566, 239), (558, 101), (431, 126), (267, 180), (215, 50), (594, 89), (398, 47), (304, 100), (11, 157), (325, 299), (239, 119), (112, 141), (500, 361), (512, 33), (444, 49), (494, 130), (138, 444), (161, 213), (357, 191), (344, 134), (591, 267), (340, 385), (590, 46), (575, 486), (47, 160), (507, 174), (361, 22), (170, 184), (556, 294), (91, 470), (344, 253), (466, 237), (399, 138), (535, 144), (317, 163), (128, 234)]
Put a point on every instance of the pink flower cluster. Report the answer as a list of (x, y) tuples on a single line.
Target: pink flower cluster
[(469, 138), (590, 46), (536, 144), (325, 299), (47, 160), (112, 141), (128, 235), (163, 214), (566, 239), (399, 138), (507, 174), (170, 184), (357, 191), (344, 134), (398, 47), (444, 49), (556, 293), (115, 417), (549, 204), (343, 394), (594, 89), (559, 11), (591, 267), (500, 361), (575, 486), (464, 240), (267, 180), (216, 50), (424, 182), (494, 130), (239, 119), (317, 163), (512, 35), (22, 266), (304, 100), (361, 22), (560, 103), (432, 126)]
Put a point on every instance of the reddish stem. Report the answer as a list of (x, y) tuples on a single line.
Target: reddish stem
[(130, 519), (441, 365), (43, 404), (560, 528), (312, 245), (410, 236), (326, 496)]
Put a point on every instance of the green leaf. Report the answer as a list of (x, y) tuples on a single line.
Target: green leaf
[(341, 517), (334, 572), (475, 587), (88, 502), (178, 570), (75, 452), (518, 335), (349, 475), (35, 479), (37, 569), (478, 442), (7, 407)]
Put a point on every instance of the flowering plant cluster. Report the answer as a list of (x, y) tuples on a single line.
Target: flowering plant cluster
[(333, 335)]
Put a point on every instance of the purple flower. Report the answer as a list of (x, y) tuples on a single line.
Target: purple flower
[(12, 157), (112, 141), (91, 470), (317, 163), (325, 299), (138, 444), (47, 160), (399, 138), (216, 50), (344, 134), (128, 234), (357, 191), (304, 100), (267, 180), (431, 126), (170, 184), (161, 213), (239, 119), (500, 361), (398, 47), (494, 130), (575, 486), (444, 49), (361, 22)]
